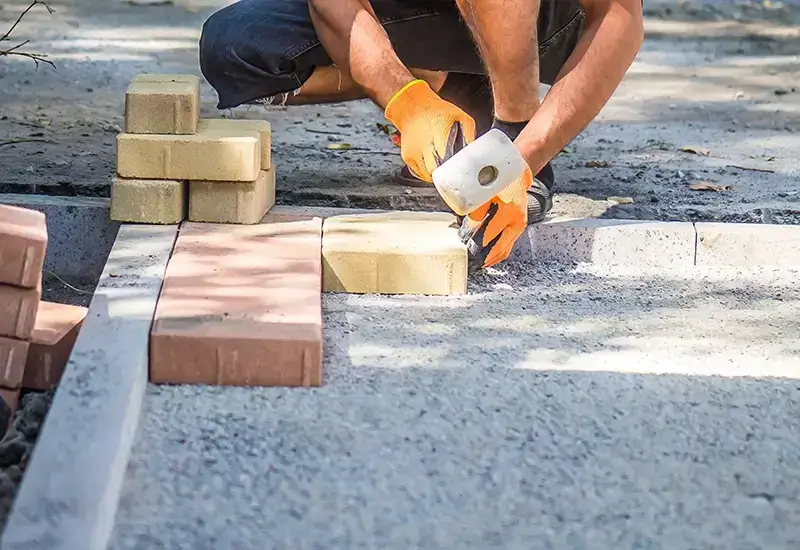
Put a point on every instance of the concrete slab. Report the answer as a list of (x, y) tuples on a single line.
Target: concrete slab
[(748, 244), (80, 233), (577, 408), (69, 494), (613, 242)]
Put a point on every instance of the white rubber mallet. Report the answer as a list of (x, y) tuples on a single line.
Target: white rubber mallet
[(478, 172)]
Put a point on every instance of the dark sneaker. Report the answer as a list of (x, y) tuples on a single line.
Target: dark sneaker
[(540, 195), (406, 178)]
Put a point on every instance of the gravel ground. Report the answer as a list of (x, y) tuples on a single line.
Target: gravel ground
[(550, 408), (17, 444)]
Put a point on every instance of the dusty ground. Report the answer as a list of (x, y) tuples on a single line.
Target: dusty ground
[(717, 75)]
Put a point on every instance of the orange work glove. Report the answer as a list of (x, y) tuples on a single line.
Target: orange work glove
[(491, 231), (432, 129)]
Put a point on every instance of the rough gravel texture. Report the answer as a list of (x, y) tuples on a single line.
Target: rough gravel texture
[(551, 408), (715, 75), (17, 445)]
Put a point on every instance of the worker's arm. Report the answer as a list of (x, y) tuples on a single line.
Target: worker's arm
[(613, 34), (432, 129), (356, 42)]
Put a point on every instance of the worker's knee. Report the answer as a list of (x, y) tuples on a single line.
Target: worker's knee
[(248, 49)]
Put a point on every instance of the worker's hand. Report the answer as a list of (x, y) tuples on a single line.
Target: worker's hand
[(432, 130), (491, 231)]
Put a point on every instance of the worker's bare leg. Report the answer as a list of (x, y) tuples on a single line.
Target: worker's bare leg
[(330, 85), (506, 34)]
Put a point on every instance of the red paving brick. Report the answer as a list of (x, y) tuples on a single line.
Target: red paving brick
[(18, 310), (57, 327), (12, 362), (23, 243), (241, 306)]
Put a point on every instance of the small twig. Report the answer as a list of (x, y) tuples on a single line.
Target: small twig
[(65, 283), (363, 150), (23, 140), (323, 132), (23, 14), (370, 151), (25, 123), (767, 170), (37, 58), (18, 46)]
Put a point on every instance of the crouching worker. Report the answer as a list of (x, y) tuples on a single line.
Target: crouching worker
[(443, 72)]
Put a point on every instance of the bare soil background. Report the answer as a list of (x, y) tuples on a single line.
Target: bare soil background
[(716, 77)]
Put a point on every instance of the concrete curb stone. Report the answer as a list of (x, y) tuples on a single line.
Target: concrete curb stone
[(613, 242), (748, 244), (638, 242), (81, 236)]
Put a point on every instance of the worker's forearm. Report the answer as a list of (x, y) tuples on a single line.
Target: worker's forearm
[(506, 34), (602, 57), (358, 45)]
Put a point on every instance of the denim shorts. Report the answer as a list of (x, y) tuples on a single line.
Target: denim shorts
[(257, 50)]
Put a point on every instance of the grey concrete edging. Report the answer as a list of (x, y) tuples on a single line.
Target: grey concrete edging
[(81, 235), (665, 244), (79, 230), (641, 242), (70, 492), (748, 244)]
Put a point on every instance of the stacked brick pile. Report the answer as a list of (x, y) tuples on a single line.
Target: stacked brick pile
[(36, 337), (242, 293), (173, 165)]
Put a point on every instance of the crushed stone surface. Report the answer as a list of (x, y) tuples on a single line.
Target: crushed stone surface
[(558, 408), (18, 444)]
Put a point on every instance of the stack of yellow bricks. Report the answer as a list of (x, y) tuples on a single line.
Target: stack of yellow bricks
[(173, 165)]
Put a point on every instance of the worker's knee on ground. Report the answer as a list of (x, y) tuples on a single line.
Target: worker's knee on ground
[(245, 49)]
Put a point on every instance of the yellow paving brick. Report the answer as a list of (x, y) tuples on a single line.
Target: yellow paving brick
[(162, 107), (207, 155), (232, 202), (261, 126), (148, 201), (394, 253)]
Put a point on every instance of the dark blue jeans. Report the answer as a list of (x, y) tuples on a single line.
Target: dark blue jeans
[(255, 50)]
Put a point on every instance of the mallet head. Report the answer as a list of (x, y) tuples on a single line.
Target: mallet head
[(478, 172)]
